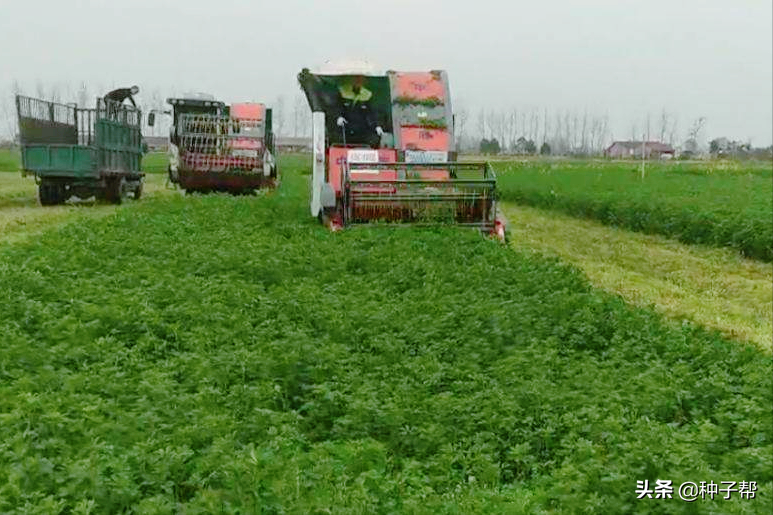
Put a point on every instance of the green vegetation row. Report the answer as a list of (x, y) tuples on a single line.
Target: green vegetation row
[(218, 354), (715, 287), (155, 162), (10, 160), (723, 204)]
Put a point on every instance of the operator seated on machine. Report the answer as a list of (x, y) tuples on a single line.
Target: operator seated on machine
[(357, 117)]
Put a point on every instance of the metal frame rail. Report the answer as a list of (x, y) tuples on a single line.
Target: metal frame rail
[(211, 142), (466, 198)]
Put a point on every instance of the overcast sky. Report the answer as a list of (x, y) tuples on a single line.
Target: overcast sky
[(621, 58)]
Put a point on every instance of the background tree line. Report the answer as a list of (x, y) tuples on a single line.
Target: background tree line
[(518, 131)]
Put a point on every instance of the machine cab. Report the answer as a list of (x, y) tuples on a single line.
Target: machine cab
[(199, 103), (362, 101)]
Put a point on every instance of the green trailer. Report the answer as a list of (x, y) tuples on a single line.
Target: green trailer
[(81, 152)]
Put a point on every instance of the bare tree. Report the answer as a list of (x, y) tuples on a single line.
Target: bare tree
[(40, 91), (502, 123), (9, 111), (593, 135), (460, 121), (279, 115), (674, 130), (305, 118), (603, 132), (523, 131), (558, 145), (512, 124), (568, 133), (663, 125), (69, 94), (696, 128), (490, 124), (693, 135), (493, 122), (481, 124), (83, 95), (298, 105), (56, 94)]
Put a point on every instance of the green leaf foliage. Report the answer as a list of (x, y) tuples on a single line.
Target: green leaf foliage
[(220, 354), (718, 204), (415, 101), (10, 160)]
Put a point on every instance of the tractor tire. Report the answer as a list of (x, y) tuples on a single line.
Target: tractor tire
[(138, 192), (51, 193), (45, 194), (114, 190)]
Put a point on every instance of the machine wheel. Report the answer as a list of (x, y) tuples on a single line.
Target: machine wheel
[(331, 218), (114, 190), (243, 192), (138, 191), (51, 193), (200, 191), (172, 175), (45, 194)]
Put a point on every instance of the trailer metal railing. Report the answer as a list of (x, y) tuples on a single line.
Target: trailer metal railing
[(52, 123)]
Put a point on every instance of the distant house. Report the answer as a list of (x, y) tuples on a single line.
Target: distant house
[(633, 150), (157, 143), (293, 144)]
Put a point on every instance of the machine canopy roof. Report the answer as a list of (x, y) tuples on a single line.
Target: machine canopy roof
[(322, 91), (195, 102)]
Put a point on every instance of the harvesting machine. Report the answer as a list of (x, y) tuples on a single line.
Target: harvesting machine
[(81, 152), (216, 147), (396, 163)]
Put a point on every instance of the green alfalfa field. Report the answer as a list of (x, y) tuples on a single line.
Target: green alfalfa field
[(219, 354), (721, 203)]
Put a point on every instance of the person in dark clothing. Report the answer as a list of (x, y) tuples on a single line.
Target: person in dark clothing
[(357, 117), (348, 107), (121, 94)]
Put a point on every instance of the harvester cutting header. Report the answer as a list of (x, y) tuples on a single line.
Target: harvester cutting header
[(384, 151)]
